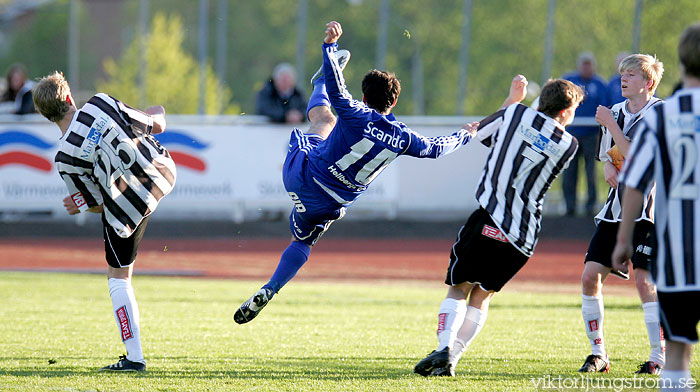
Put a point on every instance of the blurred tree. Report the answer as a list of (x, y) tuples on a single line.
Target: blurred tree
[(172, 75), (507, 37)]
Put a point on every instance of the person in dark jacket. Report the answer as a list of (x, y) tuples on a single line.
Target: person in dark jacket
[(17, 99), (280, 99)]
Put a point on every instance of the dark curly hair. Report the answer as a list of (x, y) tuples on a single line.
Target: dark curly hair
[(558, 95), (381, 89)]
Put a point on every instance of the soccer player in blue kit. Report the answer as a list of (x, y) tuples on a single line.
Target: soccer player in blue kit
[(329, 167)]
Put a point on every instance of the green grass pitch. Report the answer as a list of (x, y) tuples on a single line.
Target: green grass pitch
[(57, 329)]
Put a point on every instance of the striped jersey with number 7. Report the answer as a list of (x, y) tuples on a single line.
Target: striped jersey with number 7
[(666, 149), (109, 157), (528, 151)]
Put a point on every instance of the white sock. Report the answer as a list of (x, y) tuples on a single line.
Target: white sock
[(593, 311), (450, 319), (474, 320), (656, 337), (126, 313), (675, 380)]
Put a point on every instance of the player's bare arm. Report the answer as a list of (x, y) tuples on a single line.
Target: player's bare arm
[(632, 203), (70, 206), (72, 209), (158, 115), (518, 91), (605, 118), (610, 171), (333, 32)]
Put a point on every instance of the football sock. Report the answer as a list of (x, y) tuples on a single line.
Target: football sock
[(592, 310), (293, 258), (126, 313), (319, 97), (656, 337), (675, 380), (474, 320), (450, 319)]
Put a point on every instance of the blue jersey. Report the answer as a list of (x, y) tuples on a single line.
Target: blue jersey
[(615, 90), (596, 89), (364, 142)]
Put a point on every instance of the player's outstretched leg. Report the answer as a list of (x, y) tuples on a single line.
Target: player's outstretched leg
[(319, 97), (293, 258), (343, 57), (253, 306)]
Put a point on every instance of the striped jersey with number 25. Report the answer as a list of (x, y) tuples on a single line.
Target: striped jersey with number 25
[(528, 151), (108, 156)]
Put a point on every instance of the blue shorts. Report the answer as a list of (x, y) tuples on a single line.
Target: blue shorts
[(314, 210)]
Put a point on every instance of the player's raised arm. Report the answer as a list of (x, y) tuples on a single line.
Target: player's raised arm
[(333, 32), (518, 91), (435, 147), (347, 108)]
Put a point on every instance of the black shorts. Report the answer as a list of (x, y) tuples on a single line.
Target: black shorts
[(121, 252), (680, 315), (603, 243), (483, 255)]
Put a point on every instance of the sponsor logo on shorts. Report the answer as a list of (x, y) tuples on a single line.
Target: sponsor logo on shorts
[(297, 202), (593, 326), (441, 322), (78, 199), (643, 249), (494, 233), (124, 323)]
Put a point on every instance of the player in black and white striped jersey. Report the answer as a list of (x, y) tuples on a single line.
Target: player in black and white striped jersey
[(666, 150), (111, 165), (529, 148), (640, 75)]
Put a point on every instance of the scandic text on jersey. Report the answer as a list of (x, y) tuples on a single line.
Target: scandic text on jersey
[(393, 141)]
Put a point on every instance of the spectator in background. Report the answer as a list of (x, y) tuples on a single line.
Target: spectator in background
[(614, 89), (596, 89), (280, 99), (17, 99)]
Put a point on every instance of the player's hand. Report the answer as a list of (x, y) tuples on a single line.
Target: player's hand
[(611, 173), (70, 206), (333, 32), (158, 114), (294, 116), (156, 109), (471, 127), (518, 88), (621, 256), (604, 116)]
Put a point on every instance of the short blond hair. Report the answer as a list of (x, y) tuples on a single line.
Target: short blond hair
[(50, 96), (651, 68)]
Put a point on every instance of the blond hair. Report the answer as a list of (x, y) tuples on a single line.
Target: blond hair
[(651, 68), (50, 96)]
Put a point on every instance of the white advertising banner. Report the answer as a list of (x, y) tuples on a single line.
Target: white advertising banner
[(230, 171)]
